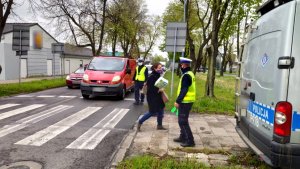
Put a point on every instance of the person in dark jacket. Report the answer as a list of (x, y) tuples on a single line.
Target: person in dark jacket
[(140, 77), (186, 96), (154, 98)]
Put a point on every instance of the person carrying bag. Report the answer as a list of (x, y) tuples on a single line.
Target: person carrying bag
[(154, 98)]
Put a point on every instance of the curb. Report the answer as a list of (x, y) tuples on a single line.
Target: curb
[(126, 143)]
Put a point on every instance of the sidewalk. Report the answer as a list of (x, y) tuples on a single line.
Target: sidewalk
[(211, 132)]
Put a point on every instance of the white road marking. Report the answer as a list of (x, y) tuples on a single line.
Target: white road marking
[(43, 136), (46, 96), (25, 95), (8, 106), (25, 122), (130, 99), (90, 139), (19, 111), (67, 96)]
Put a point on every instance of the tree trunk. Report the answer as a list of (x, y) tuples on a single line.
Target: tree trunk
[(102, 27), (209, 86), (3, 17), (223, 65)]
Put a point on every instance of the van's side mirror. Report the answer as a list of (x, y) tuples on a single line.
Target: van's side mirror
[(128, 71)]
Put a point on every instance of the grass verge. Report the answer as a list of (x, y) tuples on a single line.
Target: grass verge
[(222, 103), (28, 87), (166, 162)]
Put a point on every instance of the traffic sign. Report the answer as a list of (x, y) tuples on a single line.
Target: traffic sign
[(58, 47), (21, 38), (176, 36)]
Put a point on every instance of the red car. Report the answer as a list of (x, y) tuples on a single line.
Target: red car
[(108, 76), (74, 79)]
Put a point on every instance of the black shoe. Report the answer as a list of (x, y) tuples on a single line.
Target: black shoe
[(187, 144), (136, 103), (139, 127), (178, 140), (160, 127)]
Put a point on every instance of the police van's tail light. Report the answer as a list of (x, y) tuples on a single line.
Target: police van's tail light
[(283, 119)]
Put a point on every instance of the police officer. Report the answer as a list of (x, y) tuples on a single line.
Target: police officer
[(140, 77), (186, 96)]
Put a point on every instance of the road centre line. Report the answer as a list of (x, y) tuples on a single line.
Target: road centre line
[(67, 96), (46, 96), (90, 139), (43, 136), (25, 122), (19, 111)]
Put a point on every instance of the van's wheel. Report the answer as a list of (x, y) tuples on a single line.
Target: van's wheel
[(85, 96), (122, 94)]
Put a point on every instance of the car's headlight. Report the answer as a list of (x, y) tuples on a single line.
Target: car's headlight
[(86, 77), (116, 79), (68, 77)]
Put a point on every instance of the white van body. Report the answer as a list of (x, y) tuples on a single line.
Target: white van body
[(268, 92)]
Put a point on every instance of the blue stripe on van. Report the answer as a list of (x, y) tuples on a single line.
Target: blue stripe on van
[(262, 111), (296, 121)]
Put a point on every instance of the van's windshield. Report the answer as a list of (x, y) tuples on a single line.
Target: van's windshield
[(106, 64)]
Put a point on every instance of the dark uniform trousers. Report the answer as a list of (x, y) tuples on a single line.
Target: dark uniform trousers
[(137, 87), (183, 121)]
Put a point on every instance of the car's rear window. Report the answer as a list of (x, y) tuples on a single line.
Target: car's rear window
[(106, 64)]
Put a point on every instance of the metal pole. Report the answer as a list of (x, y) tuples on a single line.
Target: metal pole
[(53, 66), (174, 54), (184, 19), (20, 55)]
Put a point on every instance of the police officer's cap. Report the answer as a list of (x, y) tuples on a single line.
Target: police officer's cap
[(140, 60), (185, 60)]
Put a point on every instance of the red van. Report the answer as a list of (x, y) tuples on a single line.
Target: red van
[(108, 76)]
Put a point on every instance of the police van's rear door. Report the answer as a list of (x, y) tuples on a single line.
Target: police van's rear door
[(294, 80), (262, 82)]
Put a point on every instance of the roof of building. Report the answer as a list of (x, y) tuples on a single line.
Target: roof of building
[(9, 28), (68, 49), (77, 51)]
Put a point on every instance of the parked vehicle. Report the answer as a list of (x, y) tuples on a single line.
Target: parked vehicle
[(108, 76), (74, 79), (149, 69), (268, 102)]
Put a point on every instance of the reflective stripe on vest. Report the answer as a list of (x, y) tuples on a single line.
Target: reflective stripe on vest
[(191, 94), (140, 76)]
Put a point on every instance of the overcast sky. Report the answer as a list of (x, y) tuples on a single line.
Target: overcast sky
[(155, 7)]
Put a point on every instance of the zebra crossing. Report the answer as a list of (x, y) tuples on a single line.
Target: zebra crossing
[(86, 141)]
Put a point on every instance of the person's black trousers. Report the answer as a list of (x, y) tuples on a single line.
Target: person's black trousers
[(183, 121), (137, 87)]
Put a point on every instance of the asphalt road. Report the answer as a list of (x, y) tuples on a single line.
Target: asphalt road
[(59, 129)]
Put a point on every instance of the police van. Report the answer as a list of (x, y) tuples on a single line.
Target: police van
[(268, 85)]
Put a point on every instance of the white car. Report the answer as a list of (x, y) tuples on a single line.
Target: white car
[(149, 69)]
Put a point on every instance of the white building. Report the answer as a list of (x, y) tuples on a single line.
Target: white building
[(39, 61)]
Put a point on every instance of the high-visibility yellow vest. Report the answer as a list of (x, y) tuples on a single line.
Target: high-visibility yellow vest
[(190, 96), (140, 76)]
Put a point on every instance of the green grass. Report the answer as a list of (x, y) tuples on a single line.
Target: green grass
[(28, 87), (223, 103), (167, 162)]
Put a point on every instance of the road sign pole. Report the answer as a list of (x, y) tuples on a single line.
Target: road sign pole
[(174, 54), (20, 55)]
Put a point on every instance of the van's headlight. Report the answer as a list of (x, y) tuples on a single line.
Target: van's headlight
[(68, 77), (116, 78), (85, 77)]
